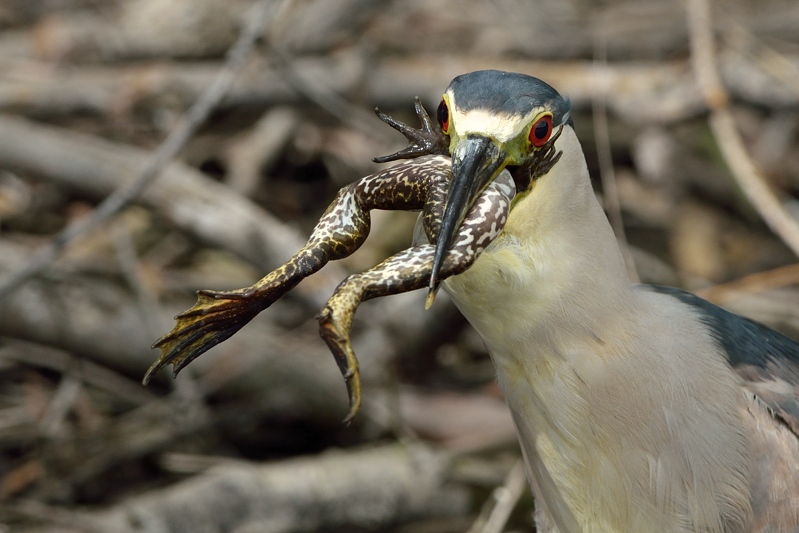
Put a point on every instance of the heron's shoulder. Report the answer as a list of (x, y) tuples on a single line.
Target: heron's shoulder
[(766, 360)]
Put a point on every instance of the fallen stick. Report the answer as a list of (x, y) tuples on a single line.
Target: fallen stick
[(362, 488), (166, 152), (722, 124), (663, 91), (209, 210)]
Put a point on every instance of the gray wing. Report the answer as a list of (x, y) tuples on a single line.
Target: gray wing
[(767, 360)]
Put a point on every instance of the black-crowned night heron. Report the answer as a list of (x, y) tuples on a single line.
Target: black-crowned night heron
[(638, 408)]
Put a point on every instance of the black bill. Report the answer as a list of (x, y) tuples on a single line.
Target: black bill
[(476, 160)]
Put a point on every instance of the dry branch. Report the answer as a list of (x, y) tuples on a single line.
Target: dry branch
[(138, 29), (497, 509), (177, 138), (259, 148), (361, 488), (73, 461), (725, 131), (214, 213), (640, 92), (463, 422), (607, 173), (757, 282), (101, 377)]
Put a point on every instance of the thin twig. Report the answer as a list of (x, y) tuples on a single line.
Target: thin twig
[(607, 173), (770, 60), (175, 141), (91, 373), (146, 298), (757, 282), (722, 124), (328, 100), (497, 509), (62, 402)]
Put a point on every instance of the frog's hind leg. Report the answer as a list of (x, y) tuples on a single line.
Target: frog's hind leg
[(406, 271), (341, 231), (403, 272)]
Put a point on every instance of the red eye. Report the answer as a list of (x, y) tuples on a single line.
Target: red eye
[(443, 116), (540, 132)]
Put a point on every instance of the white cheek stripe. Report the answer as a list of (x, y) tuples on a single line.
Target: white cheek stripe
[(500, 126)]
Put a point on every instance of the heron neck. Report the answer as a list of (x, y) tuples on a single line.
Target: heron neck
[(555, 270)]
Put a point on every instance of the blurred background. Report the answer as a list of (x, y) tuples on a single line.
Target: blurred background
[(249, 437)]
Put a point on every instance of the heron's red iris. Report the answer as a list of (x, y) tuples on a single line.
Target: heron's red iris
[(443, 116), (541, 130)]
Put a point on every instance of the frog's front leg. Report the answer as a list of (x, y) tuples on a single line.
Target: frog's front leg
[(410, 270), (342, 229)]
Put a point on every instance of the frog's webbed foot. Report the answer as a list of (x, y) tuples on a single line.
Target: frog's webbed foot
[(342, 229), (429, 140), (218, 315), (410, 270)]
